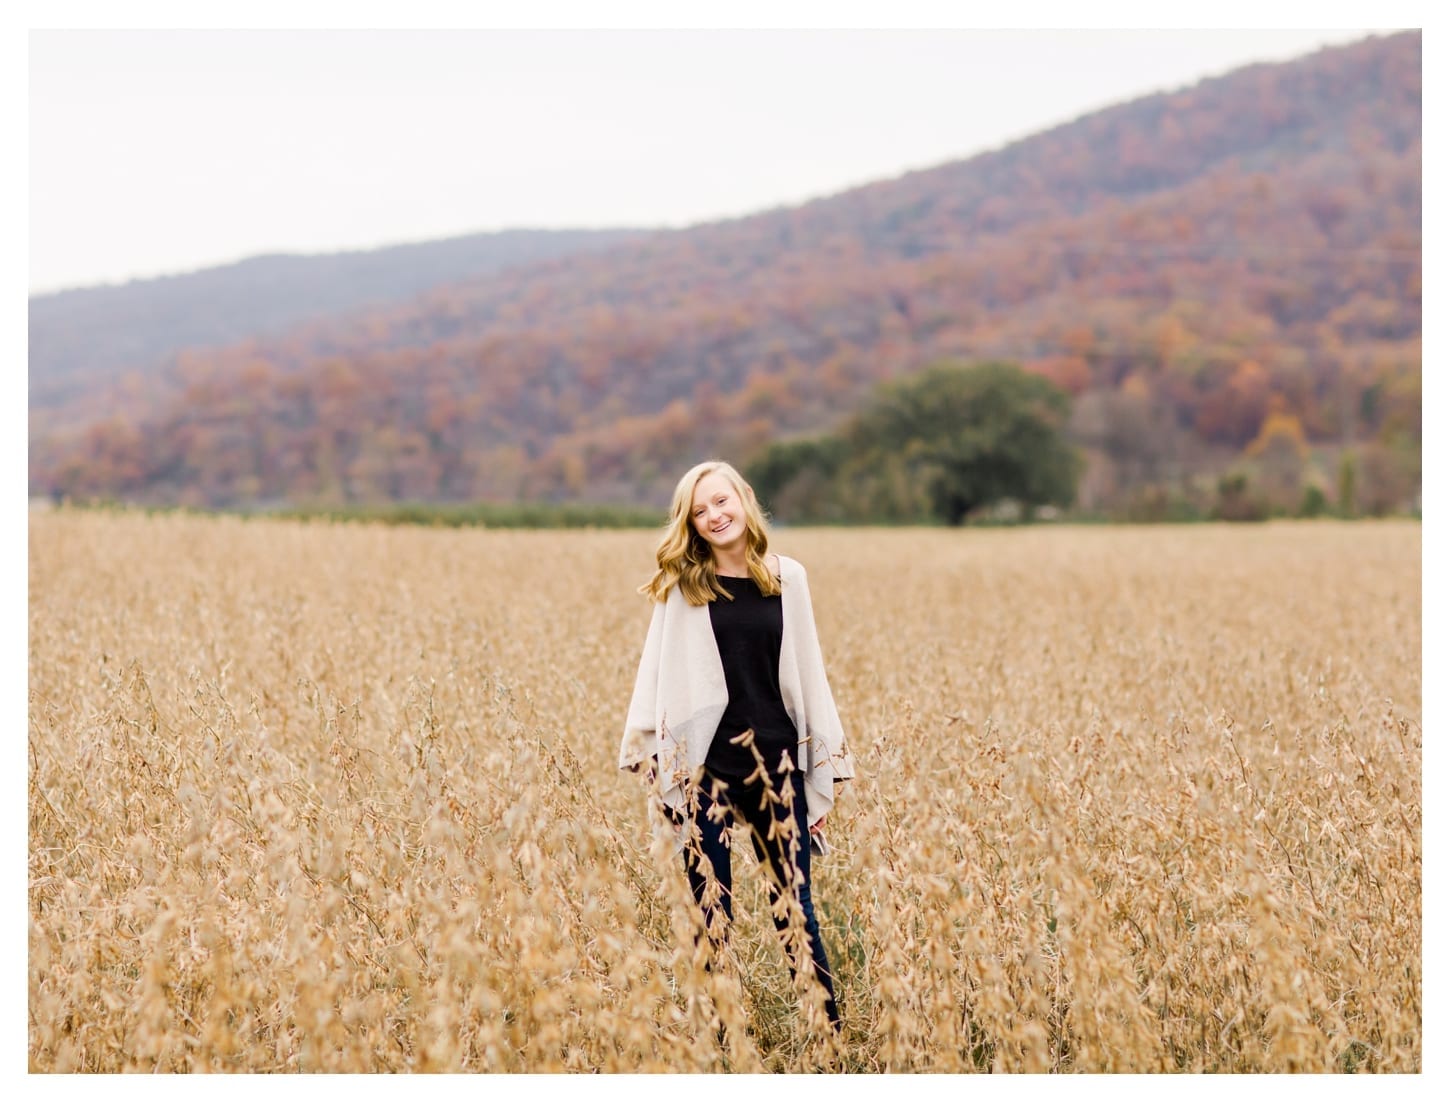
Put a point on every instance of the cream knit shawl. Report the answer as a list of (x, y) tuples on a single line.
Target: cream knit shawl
[(679, 697)]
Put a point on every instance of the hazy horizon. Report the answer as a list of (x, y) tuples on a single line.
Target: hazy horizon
[(314, 142)]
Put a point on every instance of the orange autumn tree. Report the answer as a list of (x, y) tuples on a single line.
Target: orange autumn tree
[(1279, 452)]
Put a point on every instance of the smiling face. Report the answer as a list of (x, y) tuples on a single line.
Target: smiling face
[(717, 512)]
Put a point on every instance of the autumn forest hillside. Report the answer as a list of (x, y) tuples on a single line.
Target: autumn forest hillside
[(1218, 275), (86, 335)]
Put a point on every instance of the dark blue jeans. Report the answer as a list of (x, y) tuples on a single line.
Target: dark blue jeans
[(779, 850)]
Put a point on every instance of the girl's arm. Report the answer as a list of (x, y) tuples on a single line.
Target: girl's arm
[(826, 721), (639, 742)]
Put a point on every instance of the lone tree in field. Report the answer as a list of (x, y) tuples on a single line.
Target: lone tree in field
[(978, 435)]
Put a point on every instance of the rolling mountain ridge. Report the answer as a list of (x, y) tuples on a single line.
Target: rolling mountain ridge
[(1210, 257), (86, 334)]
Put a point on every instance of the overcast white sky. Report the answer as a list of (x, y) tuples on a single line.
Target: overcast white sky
[(155, 151)]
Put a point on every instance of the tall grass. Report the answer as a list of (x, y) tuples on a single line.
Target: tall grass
[(343, 798)]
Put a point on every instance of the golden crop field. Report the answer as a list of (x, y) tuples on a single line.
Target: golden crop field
[(309, 797)]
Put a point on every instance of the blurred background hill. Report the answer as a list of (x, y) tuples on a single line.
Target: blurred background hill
[(95, 334), (1225, 279)]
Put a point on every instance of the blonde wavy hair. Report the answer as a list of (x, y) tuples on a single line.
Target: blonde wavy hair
[(683, 557)]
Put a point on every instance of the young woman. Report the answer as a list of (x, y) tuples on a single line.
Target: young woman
[(731, 710)]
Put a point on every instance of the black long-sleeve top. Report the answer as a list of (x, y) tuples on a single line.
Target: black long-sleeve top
[(748, 632)]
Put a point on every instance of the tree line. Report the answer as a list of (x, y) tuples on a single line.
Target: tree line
[(966, 441)]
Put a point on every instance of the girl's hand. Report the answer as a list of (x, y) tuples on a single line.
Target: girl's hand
[(818, 839)]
